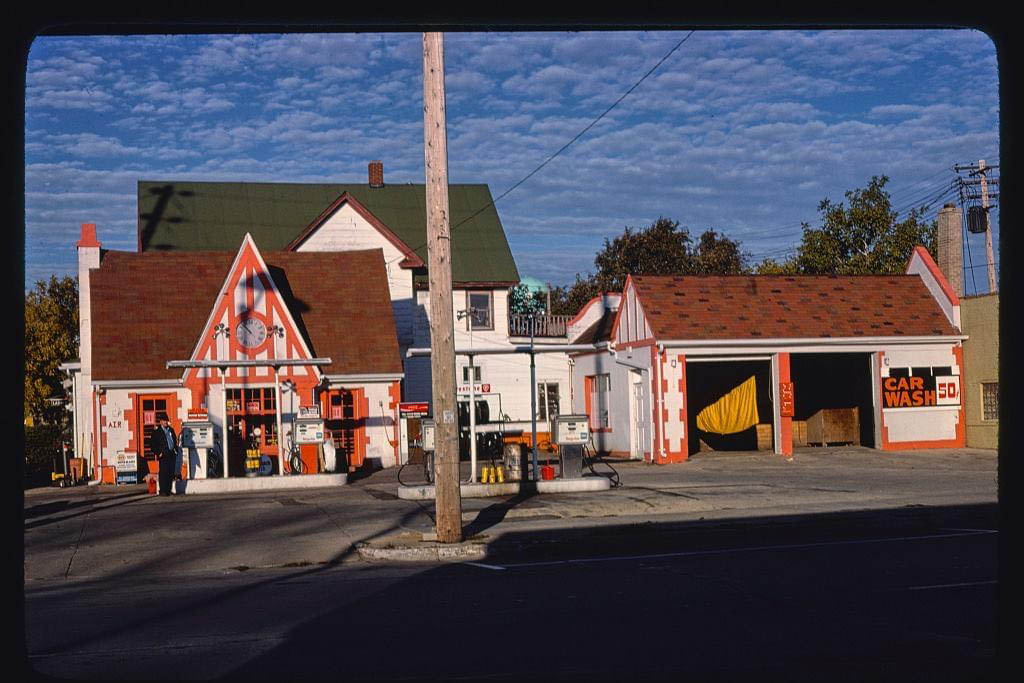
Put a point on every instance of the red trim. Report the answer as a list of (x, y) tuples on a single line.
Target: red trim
[(623, 302), (586, 306), (936, 273), (411, 259)]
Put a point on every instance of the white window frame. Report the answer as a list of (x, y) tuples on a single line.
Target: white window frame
[(543, 408), (470, 293), (477, 374), (600, 401)]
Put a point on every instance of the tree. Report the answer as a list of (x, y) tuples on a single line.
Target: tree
[(659, 249), (51, 338), (521, 300), (864, 238)]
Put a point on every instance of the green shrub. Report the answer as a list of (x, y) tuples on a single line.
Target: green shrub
[(42, 453)]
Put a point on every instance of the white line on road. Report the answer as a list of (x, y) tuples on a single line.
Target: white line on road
[(727, 551), (486, 566), (952, 585)]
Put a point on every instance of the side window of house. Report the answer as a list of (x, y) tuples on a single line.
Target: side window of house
[(481, 314), (547, 400), (600, 395), (466, 373), (990, 400)]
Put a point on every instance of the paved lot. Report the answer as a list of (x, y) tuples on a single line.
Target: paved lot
[(104, 531)]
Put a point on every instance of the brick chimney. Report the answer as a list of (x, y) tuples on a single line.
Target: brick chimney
[(950, 247), (376, 174)]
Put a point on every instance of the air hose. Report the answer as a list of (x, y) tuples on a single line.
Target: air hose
[(589, 460)]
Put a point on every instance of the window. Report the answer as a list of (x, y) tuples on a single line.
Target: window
[(480, 317), (476, 373), (547, 400), (990, 400), (600, 396)]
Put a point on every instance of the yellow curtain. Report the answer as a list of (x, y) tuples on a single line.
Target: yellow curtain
[(732, 413)]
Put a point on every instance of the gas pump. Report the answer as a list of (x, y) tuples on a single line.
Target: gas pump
[(197, 441), (571, 433), (309, 429), (428, 448)]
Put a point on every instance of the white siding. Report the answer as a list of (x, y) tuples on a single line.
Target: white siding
[(346, 230)]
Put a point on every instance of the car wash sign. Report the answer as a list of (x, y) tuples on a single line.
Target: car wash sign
[(920, 389)]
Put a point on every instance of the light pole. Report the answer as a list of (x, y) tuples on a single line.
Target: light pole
[(533, 396), (472, 395)]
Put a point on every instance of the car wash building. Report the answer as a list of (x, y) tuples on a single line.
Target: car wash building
[(290, 354), (772, 362)]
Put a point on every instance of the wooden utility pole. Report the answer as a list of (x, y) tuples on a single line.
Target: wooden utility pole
[(988, 229), (448, 500)]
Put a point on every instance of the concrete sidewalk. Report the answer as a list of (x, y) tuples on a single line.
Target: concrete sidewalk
[(107, 531)]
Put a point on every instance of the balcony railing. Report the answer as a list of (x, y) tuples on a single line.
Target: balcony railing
[(545, 325)]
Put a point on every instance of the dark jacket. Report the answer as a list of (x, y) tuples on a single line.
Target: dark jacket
[(158, 442)]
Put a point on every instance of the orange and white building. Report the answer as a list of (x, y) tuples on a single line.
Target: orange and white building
[(882, 352), (236, 340)]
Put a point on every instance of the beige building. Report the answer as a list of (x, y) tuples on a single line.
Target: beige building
[(979, 317)]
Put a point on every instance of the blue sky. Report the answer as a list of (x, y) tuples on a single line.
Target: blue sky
[(744, 132)]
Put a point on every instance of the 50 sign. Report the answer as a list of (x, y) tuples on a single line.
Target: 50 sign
[(947, 391)]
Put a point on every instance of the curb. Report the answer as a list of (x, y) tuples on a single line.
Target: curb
[(417, 548), (477, 490)]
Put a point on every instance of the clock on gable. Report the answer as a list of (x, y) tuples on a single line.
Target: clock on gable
[(251, 332)]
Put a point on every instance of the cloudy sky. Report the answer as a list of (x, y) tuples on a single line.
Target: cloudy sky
[(744, 132)]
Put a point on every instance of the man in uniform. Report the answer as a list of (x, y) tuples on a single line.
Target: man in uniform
[(164, 443)]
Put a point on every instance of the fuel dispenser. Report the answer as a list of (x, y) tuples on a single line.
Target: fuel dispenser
[(309, 429), (571, 434), (428, 448), (196, 444)]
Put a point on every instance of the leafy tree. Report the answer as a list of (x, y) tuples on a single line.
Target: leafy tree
[(522, 300), (862, 238), (660, 249), (51, 338)]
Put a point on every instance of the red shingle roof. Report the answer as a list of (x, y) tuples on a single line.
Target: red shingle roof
[(778, 306), (150, 308)]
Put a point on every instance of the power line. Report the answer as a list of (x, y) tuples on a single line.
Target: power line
[(566, 145)]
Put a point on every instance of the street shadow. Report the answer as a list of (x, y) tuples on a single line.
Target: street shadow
[(493, 514), (561, 603), (93, 503)]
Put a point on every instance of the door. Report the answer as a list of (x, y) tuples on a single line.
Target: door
[(638, 434), (343, 421)]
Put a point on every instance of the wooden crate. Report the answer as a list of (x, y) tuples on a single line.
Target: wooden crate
[(799, 433), (764, 437), (834, 426)]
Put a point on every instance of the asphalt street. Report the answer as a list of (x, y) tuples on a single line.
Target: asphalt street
[(846, 563)]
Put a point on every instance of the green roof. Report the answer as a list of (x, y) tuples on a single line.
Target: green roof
[(215, 216)]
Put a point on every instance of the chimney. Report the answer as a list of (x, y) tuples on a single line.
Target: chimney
[(376, 174), (950, 246)]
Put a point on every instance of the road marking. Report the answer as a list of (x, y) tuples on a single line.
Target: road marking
[(977, 531), (486, 566), (728, 551), (951, 585)]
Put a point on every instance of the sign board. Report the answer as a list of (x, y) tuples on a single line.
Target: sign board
[(198, 416), (312, 412), (916, 391), (416, 409), (477, 388), (309, 431), (197, 435), (785, 399), (126, 462), (571, 430)]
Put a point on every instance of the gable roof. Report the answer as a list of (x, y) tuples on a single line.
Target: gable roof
[(793, 307), (150, 308), (214, 216)]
